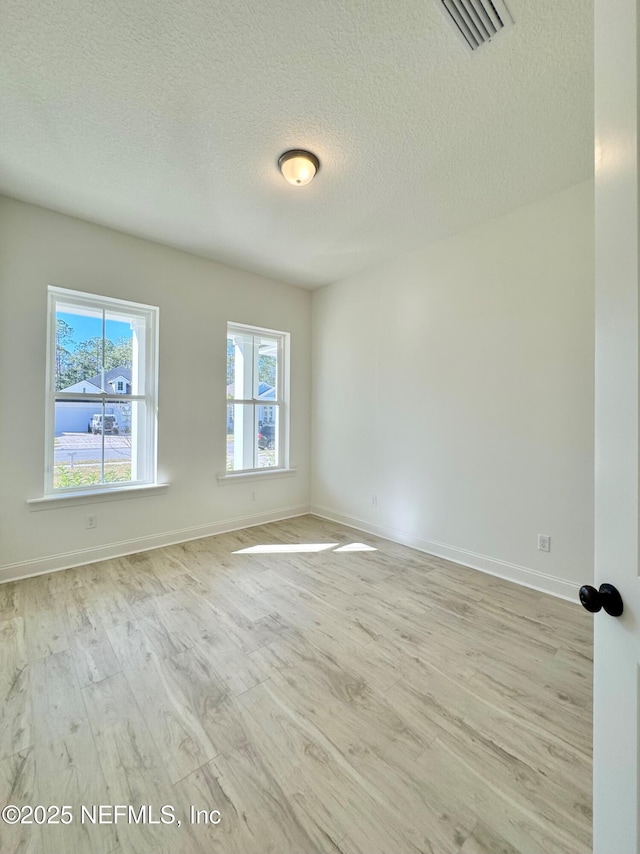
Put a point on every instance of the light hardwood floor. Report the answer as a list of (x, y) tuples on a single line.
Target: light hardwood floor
[(364, 702)]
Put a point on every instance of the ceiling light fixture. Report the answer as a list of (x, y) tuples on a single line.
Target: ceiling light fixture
[(298, 167)]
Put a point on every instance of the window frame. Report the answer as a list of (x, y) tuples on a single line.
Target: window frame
[(55, 296), (280, 401)]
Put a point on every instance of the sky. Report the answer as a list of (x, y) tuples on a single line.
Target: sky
[(85, 327)]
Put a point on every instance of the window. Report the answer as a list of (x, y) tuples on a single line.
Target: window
[(256, 393), (101, 393)]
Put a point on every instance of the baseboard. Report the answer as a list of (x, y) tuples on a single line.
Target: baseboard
[(66, 560), (510, 571)]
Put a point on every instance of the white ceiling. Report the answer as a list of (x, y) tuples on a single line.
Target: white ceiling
[(165, 119)]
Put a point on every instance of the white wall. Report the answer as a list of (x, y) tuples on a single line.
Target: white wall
[(456, 384), (196, 299)]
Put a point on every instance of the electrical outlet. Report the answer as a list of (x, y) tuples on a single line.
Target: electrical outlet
[(374, 500), (91, 521), (544, 543), (252, 497)]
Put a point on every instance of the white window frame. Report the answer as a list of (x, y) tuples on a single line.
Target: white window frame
[(147, 431), (280, 402)]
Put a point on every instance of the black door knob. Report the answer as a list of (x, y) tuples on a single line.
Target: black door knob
[(606, 597), (590, 598)]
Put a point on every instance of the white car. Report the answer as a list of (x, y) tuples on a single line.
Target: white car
[(103, 424)]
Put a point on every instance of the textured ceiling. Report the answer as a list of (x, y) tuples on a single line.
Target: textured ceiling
[(165, 119)]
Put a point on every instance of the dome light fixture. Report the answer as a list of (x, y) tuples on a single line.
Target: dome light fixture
[(298, 167)]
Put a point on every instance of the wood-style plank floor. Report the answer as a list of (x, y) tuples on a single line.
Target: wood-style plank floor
[(336, 700)]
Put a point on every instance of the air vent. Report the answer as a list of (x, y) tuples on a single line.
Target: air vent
[(476, 21)]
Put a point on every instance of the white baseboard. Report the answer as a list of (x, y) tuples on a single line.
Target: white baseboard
[(510, 571), (66, 560), (551, 584)]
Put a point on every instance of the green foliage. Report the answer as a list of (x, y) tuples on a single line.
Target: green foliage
[(267, 367), (86, 359), (65, 476), (231, 360), (64, 334)]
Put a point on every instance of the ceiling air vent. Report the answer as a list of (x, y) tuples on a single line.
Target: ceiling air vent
[(477, 21)]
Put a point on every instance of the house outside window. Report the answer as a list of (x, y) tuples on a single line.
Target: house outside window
[(256, 398), (101, 393)]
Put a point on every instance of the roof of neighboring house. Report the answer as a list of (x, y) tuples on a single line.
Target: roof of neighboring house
[(109, 376), (265, 391), (113, 374), (81, 387)]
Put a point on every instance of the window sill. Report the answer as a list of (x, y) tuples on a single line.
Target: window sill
[(95, 496), (228, 477)]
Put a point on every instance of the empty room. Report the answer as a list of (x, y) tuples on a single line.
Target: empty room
[(319, 427)]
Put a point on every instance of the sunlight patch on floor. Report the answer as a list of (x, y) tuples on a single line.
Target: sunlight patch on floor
[(281, 548), (356, 547), (291, 548)]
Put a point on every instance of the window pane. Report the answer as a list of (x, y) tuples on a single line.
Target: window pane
[(78, 366), (241, 436), (119, 346), (77, 452), (267, 371), (91, 357), (118, 449), (96, 442), (239, 366), (267, 437)]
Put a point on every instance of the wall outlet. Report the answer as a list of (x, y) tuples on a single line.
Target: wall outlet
[(252, 497), (91, 521), (374, 500), (544, 543)]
